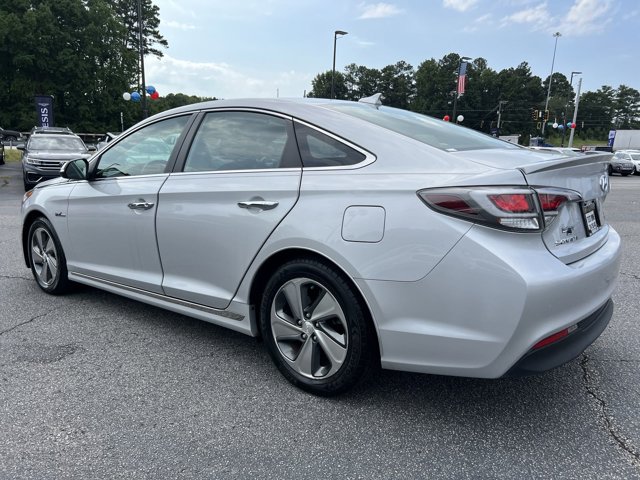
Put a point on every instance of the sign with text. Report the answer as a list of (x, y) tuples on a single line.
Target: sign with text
[(44, 110)]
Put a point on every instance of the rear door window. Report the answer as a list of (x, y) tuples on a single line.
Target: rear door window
[(320, 150), (242, 141)]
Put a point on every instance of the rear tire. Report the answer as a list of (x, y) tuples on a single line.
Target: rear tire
[(315, 328), (610, 170), (46, 257)]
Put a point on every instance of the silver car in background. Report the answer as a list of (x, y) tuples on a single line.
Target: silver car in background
[(626, 157), (347, 235)]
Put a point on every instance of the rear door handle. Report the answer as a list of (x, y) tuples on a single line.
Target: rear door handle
[(140, 205), (260, 204)]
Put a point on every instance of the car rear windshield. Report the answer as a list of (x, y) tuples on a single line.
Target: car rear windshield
[(46, 142), (434, 132)]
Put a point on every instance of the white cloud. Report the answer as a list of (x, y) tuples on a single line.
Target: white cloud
[(536, 16), (459, 5), (379, 10), (177, 25), (483, 20), (221, 80), (585, 17)]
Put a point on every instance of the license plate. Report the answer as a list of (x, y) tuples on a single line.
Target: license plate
[(590, 217)]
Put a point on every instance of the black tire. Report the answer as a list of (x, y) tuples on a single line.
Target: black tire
[(610, 169), (46, 258), (347, 332)]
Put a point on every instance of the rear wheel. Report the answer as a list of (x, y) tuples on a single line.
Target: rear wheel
[(46, 257), (610, 169), (315, 329)]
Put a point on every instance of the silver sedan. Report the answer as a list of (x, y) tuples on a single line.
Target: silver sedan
[(347, 235)]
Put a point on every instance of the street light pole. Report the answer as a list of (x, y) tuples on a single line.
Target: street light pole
[(546, 104), (455, 98), (145, 112), (566, 104), (333, 70)]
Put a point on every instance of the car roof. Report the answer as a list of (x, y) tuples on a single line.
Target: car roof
[(51, 130)]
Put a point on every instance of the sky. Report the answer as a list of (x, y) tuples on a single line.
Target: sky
[(269, 48)]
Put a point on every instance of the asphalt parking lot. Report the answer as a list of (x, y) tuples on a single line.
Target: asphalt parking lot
[(97, 386)]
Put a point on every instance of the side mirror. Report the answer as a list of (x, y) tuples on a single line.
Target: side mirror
[(75, 169), (20, 147)]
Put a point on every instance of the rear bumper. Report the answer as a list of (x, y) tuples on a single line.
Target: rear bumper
[(488, 302), (567, 349)]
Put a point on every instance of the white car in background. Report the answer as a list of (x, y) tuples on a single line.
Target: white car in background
[(347, 235)]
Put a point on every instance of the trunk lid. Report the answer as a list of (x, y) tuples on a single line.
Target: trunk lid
[(580, 228)]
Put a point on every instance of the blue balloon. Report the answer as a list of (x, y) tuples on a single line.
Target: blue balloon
[(569, 125), (135, 96), (560, 127), (150, 89)]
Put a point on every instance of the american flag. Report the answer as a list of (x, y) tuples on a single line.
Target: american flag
[(462, 77)]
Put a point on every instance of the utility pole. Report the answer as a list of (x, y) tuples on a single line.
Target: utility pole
[(546, 104), (575, 113), (500, 103)]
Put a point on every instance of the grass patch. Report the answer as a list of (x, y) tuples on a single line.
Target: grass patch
[(12, 155)]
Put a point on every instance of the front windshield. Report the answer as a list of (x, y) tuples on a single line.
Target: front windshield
[(429, 130), (635, 156), (49, 143)]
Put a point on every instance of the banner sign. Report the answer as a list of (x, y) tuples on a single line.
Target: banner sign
[(44, 110)]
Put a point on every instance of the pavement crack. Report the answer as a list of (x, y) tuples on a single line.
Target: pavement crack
[(630, 275), (606, 416), (15, 277), (36, 317)]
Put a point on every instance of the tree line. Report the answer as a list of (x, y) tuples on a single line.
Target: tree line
[(85, 53), (516, 92)]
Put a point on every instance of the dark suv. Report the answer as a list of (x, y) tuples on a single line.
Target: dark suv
[(45, 153)]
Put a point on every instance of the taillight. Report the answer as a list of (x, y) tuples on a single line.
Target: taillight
[(551, 200), (521, 209)]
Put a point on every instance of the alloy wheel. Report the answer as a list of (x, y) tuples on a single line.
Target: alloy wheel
[(309, 328), (44, 256)]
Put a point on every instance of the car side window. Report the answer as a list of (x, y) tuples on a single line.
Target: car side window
[(242, 141), (320, 150), (144, 152)]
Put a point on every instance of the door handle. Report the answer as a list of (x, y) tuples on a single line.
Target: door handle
[(140, 205), (260, 204)]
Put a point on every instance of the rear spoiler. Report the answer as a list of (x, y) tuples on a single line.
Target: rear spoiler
[(563, 162)]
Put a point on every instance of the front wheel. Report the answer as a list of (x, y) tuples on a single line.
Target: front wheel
[(315, 328), (48, 263)]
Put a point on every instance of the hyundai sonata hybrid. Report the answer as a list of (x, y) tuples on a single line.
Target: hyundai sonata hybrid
[(347, 235)]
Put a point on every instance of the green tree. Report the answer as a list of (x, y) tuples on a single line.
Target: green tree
[(75, 50), (127, 12), (361, 81), (397, 85), (321, 86), (626, 107), (596, 112)]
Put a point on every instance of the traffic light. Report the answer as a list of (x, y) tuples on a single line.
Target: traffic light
[(534, 114)]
